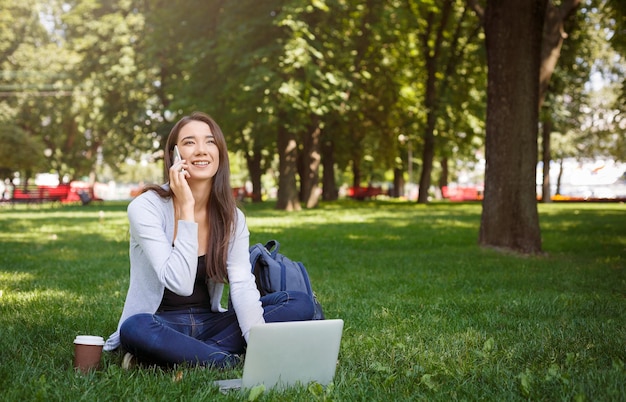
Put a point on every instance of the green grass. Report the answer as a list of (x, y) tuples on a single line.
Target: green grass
[(428, 314)]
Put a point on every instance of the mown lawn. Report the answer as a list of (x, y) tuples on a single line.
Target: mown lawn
[(428, 314)]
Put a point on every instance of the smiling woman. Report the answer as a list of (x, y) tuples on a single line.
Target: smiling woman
[(187, 240)]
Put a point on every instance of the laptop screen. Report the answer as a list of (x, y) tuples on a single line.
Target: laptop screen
[(289, 353)]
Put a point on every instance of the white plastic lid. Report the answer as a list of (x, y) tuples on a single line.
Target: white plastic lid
[(89, 340)]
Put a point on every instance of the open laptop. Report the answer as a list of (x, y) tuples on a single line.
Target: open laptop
[(284, 354)]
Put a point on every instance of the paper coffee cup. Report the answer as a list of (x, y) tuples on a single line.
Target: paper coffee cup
[(87, 352)]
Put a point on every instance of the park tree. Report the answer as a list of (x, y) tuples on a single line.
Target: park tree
[(605, 133), (513, 31), (31, 88), (364, 64), (447, 31), (304, 96), (250, 92), (112, 82), (564, 91), (76, 79), (569, 104), (46, 113), (340, 34), (509, 217), (340, 65), (554, 35), (373, 90), (82, 89)]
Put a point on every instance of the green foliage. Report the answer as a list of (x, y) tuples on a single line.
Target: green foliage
[(113, 80), (587, 120), (74, 83), (429, 315), (92, 82), (21, 152)]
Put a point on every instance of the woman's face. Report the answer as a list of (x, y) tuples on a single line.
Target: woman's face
[(197, 147)]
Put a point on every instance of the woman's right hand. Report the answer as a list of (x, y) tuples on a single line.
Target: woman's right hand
[(183, 197)]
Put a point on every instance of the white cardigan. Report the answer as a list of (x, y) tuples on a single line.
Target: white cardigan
[(155, 264)]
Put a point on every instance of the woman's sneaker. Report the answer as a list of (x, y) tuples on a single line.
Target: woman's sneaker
[(129, 361)]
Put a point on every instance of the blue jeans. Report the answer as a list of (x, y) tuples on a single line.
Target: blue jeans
[(200, 336)]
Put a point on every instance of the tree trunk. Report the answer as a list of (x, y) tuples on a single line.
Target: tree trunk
[(428, 152), (546, 157), (428, 155), (445, 173), (288, 199), (432, 52), (356, 170), (553, 36), (329, 185), (558, 179), (513, 30), (27, 175), (398, 182), (253, 160), (309, 175)]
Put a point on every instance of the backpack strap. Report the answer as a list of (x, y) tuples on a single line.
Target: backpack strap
[(272, 246), (256, 252)]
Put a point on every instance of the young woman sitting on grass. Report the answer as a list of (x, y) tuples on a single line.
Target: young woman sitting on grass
[(187, 239)]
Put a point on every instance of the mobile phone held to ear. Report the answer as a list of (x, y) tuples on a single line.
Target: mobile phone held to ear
[(177, 156)]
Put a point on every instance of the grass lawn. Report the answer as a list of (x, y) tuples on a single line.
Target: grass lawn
[(428, 314)]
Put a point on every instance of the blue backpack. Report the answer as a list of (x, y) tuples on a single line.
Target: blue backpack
[(275, 272)]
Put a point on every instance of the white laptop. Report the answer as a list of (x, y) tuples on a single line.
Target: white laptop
[(280, 355)]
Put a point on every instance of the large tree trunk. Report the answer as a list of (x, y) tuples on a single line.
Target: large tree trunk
[(288, 199), (329, 185), (513, 30)]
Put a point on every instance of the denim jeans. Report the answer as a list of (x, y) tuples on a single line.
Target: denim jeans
[(200, 336)]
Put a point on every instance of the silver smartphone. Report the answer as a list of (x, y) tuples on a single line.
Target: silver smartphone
[(177, 156)]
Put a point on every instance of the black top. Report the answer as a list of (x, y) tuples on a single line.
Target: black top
[(199, 298)]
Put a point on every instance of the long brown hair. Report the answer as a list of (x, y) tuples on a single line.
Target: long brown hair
[(221, 208)]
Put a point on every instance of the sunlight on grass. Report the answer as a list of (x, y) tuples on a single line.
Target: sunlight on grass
[(29, 226), (22, 298), (27, 236), (11, 279)]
